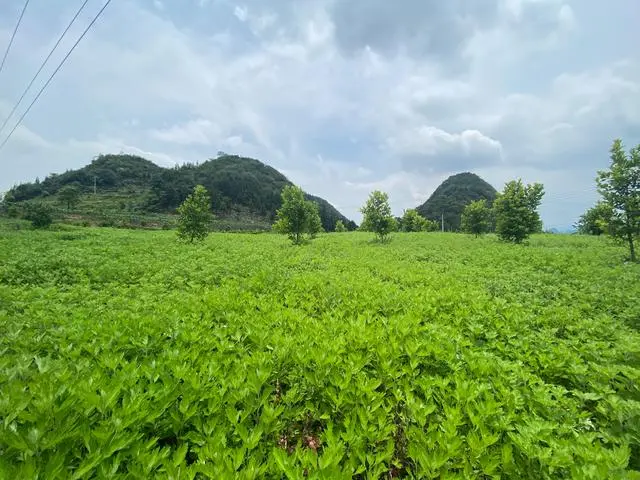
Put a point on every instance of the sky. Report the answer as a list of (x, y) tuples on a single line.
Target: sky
[(342, 96)]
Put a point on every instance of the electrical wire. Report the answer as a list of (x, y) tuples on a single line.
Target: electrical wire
[(26, 90), (62, 62), (13, 35)]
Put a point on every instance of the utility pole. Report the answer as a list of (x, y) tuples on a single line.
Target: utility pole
[(442, 221), (95, 184)]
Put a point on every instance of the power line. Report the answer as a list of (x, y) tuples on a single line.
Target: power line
[(54, 73), (26, 90), (13, 35)]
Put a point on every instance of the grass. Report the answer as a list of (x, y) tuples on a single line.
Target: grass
[(125, 354)]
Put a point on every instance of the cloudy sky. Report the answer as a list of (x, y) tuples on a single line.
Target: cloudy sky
[(343, 96)]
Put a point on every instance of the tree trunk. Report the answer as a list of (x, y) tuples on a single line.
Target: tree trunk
[(632, 249)]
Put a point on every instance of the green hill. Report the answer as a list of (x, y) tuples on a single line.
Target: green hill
[(243, 190), (450, 198)]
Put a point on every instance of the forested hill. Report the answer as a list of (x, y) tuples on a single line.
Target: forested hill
[(450, 198), (236, 184)]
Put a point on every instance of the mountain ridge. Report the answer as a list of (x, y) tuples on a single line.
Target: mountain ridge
[(237, 185)]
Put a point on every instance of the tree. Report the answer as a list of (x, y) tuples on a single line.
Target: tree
[(38, 214), (340, 228), (377, 216), (69, 195), (516, 211), (315, 222), (596, 220), (412, 221), (195, 215), (620, 189), (476, 218), (297, 216)]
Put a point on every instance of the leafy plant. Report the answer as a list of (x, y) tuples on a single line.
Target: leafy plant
[(516, 211), (195, 215), (442, 357), (476, 218), (377, 216), (340, 228), (620, 189), (412, 221), (596, 220), (297, 217)]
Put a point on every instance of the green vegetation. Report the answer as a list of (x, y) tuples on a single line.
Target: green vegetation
[(244, 192), (39, 215), (297, 217), (412, 221), (476, 218), (195, 216), (452, 196), (516, 211), (69, 195), (125, 355), (340, 228), (376, 215), (620, 190), (596, 220)]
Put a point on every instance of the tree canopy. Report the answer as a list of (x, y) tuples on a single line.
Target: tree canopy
[(297, 217), (516, 211), (195, 215), (377, 216), (476, 218), (619, 187)]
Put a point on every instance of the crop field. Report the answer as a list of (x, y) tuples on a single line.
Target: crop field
[(125, 354)]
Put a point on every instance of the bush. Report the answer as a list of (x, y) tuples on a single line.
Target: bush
[(39, 215)]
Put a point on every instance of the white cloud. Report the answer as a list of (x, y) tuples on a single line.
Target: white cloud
[(341, 103)]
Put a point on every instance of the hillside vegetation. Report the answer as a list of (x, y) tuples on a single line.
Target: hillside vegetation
[(452, 195), (241, 188), (125, 354)]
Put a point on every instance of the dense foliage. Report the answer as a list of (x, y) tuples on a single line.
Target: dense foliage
[(124, 355), (596, 220), (194, 216), (412, 221), (516, 211), (297, 217), (235, 184), (340, 228), (39, 214), (376, 215), (450, 198), (620, 190), (476, 218)]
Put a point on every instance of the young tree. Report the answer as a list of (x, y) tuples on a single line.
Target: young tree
[(516, 211), (476, 218), (297, 216), (195, 215), (315, 222), (377, 216), (69, 195), (620, 189), (340, 228), (596, 220), (412, 221)]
